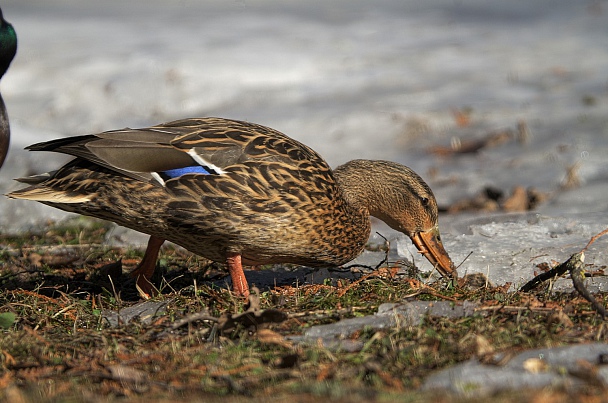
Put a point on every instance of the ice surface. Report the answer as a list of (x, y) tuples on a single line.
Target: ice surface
[(507, 248), (351, 78)]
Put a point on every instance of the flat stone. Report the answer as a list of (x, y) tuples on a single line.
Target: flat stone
[(415, 311), (145, 312), (568, 366), (338, 335)]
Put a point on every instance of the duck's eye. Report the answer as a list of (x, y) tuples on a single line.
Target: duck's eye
[(424, 201)]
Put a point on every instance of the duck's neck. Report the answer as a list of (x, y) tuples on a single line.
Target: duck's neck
[(363, 184)]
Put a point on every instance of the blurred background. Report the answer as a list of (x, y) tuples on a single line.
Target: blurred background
[(500, 106)]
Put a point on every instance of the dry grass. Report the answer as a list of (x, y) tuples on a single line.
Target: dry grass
[(59, 347)]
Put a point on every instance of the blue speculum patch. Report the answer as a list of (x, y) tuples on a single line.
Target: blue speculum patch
[(195, 169)]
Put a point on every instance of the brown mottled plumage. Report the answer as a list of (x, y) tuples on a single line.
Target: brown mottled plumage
[(265, 198)]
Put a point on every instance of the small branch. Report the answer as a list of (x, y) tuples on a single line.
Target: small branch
[(555, 272), (574, 265), (193, 318), (464, 260), (560, 269), (594, 238), (577, 273)]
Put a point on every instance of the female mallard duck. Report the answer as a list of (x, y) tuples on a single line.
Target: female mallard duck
[(236, 192), (8, 48)]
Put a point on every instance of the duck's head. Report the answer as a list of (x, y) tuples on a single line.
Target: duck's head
[(398, 196), (8, 44)]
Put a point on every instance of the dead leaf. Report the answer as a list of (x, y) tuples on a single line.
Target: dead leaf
[(459, 146), (561, 318), (474, 281), (6, 380), (59, 259), (326, 372), (518, 200), (535, 365), (268, 336), (127, 374), (523, 133), (483, 346), (286, 361), (253, 318), (387, 378), (14, 394), (588, 372), (572, 180), (35, 259), (9, 360), (462, 117), (530, 301), (136, 379), (490, 199)]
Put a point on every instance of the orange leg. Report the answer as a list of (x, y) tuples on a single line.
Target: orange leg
[(145, 269), (235, 267)]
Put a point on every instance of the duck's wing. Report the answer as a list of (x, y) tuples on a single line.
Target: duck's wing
[(224, 142), (132, 152), (169, 150)]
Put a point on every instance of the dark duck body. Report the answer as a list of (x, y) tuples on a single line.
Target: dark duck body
[(8, 49), (236, 192)]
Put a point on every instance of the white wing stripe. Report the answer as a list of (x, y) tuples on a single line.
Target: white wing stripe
[(200, 160)]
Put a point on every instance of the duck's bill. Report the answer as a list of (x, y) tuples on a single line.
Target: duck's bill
[(430, 245)]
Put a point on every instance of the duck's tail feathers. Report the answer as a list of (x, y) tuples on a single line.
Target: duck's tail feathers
[(36, 179), (47, 195)]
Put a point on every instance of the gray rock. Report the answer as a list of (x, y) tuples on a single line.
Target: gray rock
[(336, 336), (562, 366), (413, 312), (145, 312)]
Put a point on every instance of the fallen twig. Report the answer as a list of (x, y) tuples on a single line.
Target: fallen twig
[(253, 318), (574, 265), (577, 273), (555, 272), (594, 238), (193, 318)]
